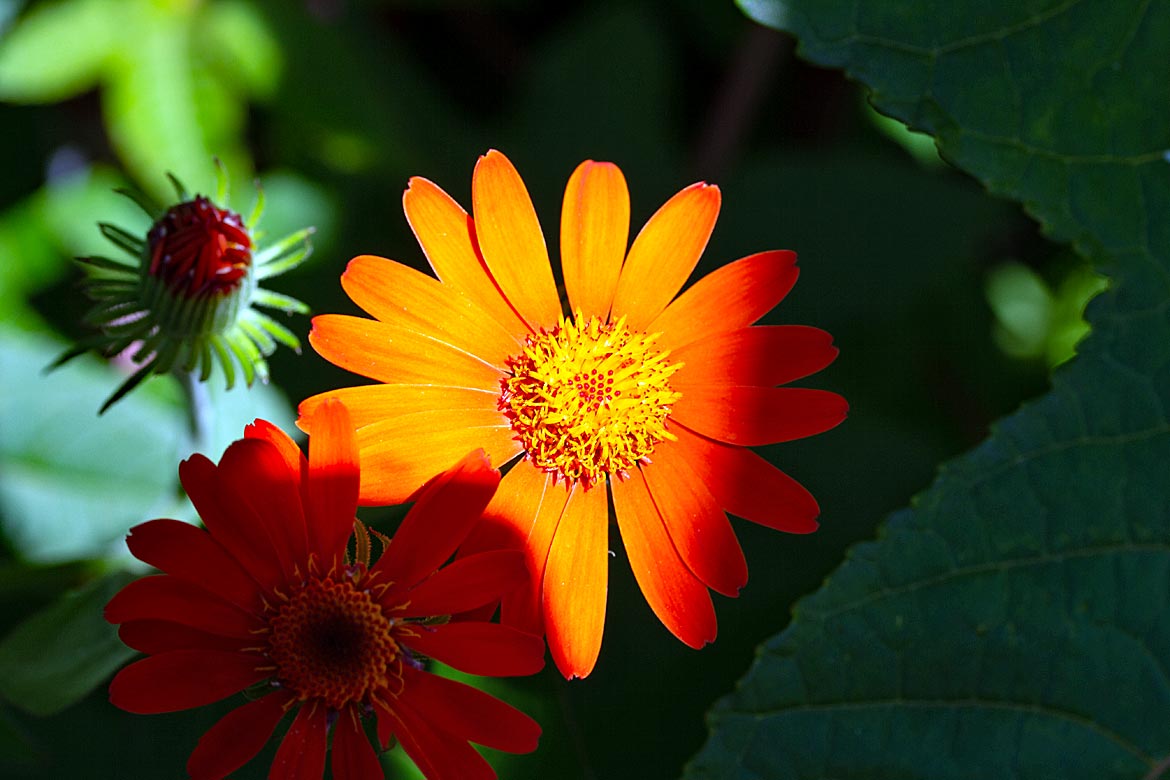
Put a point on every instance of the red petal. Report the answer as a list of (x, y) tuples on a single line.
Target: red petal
[(750, 416), (301, 755), (440, 756), (512, 242), (700, 531), (256, 481), (236, 530), (237, 737), (160, 636), (488, 649), (762, 356), (353, 755), (163, 597), (184, 679), (331, 495), (262, 429), (189, 553), (677, 597), (438, 522), (469, 582), (576, 581), (728, 298), (664, 254), (469, 713), (748, 486)]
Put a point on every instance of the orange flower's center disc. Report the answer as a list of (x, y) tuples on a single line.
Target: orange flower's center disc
[(589, 398), (332, 641)]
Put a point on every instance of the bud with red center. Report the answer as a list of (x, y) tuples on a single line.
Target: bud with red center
[(183, 303), (199, 250)]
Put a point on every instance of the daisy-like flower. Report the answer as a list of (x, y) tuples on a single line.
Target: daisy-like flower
[(181, 300), (634, 391), (268, 599)]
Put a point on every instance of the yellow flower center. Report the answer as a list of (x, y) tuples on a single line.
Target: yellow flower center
[(589, 398), (332, 641)]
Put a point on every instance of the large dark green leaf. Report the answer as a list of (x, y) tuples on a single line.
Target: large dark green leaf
[(1014, 622), (60, 654)]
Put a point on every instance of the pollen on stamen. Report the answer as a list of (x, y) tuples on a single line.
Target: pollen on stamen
[(589, 399)]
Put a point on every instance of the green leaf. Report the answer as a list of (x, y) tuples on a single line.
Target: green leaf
[(57, 51), (1015, 621), (237, 42), (63, 652), (150, 103), (73, 483)]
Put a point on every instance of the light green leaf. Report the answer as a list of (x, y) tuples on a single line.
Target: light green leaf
[(150, 103), (63, 652), (58, 50), (71, 483), (237, 44), (1015, 621)]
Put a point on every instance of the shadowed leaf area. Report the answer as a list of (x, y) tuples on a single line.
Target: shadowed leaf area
[(1013, 622)]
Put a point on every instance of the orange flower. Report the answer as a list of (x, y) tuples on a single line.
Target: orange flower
[(268, 599), (648, 396)]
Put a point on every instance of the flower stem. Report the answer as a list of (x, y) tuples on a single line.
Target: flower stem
[(199, 410)]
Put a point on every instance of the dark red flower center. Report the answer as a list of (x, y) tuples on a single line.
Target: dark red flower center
[(332, 641), (199, 250)]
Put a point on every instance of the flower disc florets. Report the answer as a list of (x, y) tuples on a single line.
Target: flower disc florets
[(589, 398), (184, 301), (332, 641)]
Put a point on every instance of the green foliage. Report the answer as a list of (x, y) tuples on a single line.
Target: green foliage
[(60, 654), (174, 77), (1014, 622), (71, 488)]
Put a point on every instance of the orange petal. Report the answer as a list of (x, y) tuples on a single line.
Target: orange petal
[(751, 416), (761, 356), (680, 601), (700, 531), (447, 237), (400, 454), (595, 226), (728, 298), (397, 356), (369, 404), (523, 515), (575, 582), (332, 491), (401, 296), (665, 253), (511, 240), (748, 486)]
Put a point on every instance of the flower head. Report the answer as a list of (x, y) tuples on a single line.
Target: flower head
[(269, 599), (183, 299), (631, 390)]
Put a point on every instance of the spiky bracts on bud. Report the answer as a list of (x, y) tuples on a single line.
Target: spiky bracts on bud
[(183, 300)]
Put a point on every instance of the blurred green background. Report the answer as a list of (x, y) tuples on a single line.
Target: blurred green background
[(948, 306)]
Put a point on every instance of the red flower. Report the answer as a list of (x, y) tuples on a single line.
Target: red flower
[(267, 598)]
